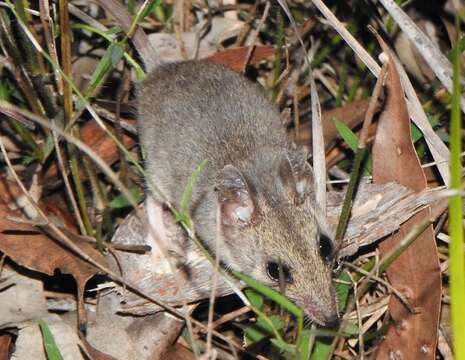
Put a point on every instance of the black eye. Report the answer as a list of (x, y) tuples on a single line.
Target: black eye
[(326, 247), (272, 268)]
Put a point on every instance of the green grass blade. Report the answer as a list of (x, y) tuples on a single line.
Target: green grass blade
[(121, 201), (109, 36), (347, 134), (183, 214), (187, 194), (263, 328), (351, 188), (278, 298), (352, 141), (51, 348), (149, 8), (255, 298), (283, 346), (457, 268), (323, 345), (271, 294), (305, 345), (143, 11), (112, 56)]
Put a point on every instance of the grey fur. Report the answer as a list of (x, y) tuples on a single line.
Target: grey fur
[(195, 110)]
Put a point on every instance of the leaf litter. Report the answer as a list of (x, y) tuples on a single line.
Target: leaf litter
[(379, 209)]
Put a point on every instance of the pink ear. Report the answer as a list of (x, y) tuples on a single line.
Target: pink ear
[(236, 204), (297, 175)]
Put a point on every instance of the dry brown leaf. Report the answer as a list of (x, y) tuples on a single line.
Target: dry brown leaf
[(30, 248), (234, 58), (416, 273), (156, 334), (94, 353), (5, 342), (25, 245), (351, 114), (179, 352), (93, 136)]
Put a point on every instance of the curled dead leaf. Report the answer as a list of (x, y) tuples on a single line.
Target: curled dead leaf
[(416, 272)]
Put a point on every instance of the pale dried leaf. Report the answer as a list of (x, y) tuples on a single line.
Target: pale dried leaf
[(22, 299), (318, 148), (167, 45), (29, 344)]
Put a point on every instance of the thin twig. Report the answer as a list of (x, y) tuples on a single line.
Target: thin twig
[(66, 59), (68, 188), (359, 157), (47, 25), (255, 36), (214, 282), (376, 278), (230, 316), (359, 318), (372, 106)]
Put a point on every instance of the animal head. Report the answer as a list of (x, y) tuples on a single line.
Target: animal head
[(270, 231)]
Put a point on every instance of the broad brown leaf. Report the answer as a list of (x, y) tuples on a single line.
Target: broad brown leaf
[(416, 273), (351, 114), (5, 343), (235, 58), (100, 142), (93, 352), (31, 248)]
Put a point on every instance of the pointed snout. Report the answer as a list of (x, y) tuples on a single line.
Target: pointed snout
[(321, 312), (327, 319), (331, 321)]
